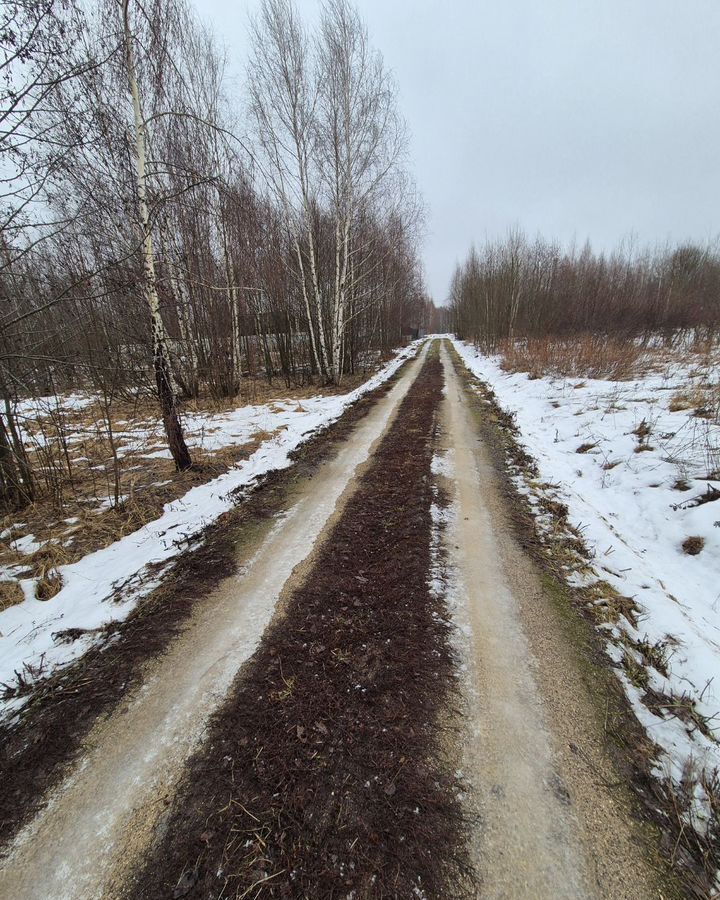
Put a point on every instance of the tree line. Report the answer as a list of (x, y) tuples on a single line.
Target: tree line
[(162, 232), (522, 288)]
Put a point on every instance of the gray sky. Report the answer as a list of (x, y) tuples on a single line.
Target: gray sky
[(573, 118)]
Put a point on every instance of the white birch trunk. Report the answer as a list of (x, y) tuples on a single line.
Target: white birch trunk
[(163, 376)]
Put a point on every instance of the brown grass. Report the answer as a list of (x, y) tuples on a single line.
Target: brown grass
[(587, 356), (585, 448), (10, 593), (146, 489), (73, 449), (48, 584), (690, 398), (146, 485), (607, 605), (693, 545)]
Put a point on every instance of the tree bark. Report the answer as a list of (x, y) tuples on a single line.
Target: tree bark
[(163, 377)]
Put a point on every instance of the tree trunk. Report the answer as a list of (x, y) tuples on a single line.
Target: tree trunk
[(24, 481), (163, 378), (9, 476), (308, 313)]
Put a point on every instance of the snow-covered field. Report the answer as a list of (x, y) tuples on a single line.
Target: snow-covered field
[(106, 585), (637, 479)]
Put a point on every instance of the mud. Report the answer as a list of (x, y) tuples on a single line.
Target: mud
[(325, 775), (106, 810), (555, 816)]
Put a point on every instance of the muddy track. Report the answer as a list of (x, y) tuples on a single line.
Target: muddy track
[(384, 700), (558, 816), (36, 749), (126, 763), (325, 773), (606, 737)]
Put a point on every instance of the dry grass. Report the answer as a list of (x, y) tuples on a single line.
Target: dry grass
[(10, 593), (693, 545), (83, 525), (75, 512), (608, 605), (586, 356), (643, 431), (49, 583), (690, 398), (585, 448), (595, 356), (260, 391), (703, 399)]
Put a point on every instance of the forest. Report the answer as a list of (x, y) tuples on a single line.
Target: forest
[(168, 234), (517, 287)]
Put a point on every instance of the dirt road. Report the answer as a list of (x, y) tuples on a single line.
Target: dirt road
[(106, 811), (332, 730), (550, 825)]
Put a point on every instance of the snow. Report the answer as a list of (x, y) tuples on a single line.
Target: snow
[(634, 521), (105, 586), (26, 544), (443, 464), (215, 431), (37, 406)]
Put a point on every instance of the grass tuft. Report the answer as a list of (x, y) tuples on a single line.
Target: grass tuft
[(48, 584), (10, 594), (693, 545), (585, 356), (585, 448)]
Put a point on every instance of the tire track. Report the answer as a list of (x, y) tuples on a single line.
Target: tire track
[(552, 825), (105, 812), (326, 774)]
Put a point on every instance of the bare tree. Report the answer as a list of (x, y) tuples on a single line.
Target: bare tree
[(332, 142), (361, 142), (515, 288), (163, 376), (143, 247), (39, 53)]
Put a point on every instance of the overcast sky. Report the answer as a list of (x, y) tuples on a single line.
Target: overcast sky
[(574, 118)]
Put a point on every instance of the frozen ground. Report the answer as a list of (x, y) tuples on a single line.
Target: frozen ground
[(106, 585), (637, 479)]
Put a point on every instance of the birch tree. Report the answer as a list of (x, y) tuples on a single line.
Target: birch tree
[(163, 376), (361, 145), (332, 141), (39, 53), (283, 100)]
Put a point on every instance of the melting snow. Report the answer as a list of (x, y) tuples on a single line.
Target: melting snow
[(106, 585), (623, 502)]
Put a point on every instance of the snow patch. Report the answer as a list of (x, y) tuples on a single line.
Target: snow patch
[(105, 586), (614, 453)]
